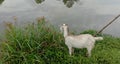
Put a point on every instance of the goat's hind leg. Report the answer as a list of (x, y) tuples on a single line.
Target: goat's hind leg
[(89, 52), (89, 49)]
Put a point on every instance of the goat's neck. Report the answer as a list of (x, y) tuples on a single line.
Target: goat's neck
[(66, 32)]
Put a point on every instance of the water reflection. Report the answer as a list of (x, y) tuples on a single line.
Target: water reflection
[(69, 3), (1, 1), (39, 1)]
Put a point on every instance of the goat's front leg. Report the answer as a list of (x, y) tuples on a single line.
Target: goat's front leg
[(70, 50)]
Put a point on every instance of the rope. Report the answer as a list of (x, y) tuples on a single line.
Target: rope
[(107, 25)]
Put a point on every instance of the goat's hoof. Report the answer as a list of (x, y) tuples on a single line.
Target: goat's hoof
[(87, 55), (71, 56)]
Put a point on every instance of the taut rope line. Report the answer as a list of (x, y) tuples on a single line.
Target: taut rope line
[(107, 25)]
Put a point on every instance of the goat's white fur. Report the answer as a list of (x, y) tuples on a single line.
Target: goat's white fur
[(79, 41)]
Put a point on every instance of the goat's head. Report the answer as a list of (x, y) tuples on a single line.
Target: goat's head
[(63, 27)]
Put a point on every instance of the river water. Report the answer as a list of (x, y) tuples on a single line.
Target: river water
[(80, 15)]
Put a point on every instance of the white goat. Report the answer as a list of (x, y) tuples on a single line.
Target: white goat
[(79, 41)]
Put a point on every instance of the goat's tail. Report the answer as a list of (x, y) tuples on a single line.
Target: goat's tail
[(98, 38)]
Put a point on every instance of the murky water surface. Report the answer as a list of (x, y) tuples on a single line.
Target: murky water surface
[(79, 14)]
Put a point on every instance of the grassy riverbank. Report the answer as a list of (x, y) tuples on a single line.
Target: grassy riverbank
[(41, 43)]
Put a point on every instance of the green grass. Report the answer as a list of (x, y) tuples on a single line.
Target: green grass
[(1, 1), (41, 43)]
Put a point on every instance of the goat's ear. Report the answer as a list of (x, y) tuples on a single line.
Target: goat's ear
[(66, 24)]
